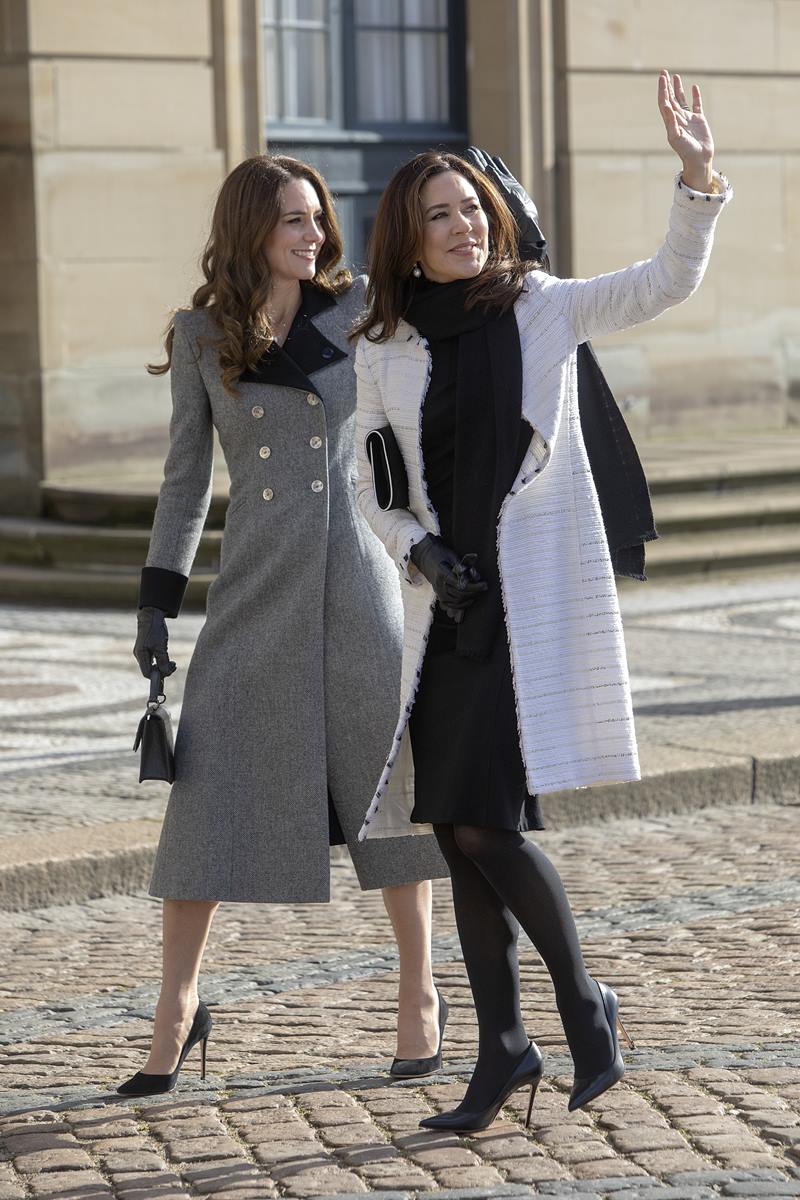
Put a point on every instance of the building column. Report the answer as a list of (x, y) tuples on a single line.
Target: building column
[(511, 86), (21, 451)]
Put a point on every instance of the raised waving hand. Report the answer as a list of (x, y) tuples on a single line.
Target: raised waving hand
[(688, 131)]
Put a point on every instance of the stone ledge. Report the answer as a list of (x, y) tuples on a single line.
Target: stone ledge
[(91, 861)]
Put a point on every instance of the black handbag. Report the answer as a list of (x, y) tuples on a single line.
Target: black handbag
[(154, 735), (389, 478)]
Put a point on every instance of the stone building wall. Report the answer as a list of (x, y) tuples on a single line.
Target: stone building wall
[(118, 120), (730, 357)]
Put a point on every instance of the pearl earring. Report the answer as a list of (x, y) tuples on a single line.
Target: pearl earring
[(416, 272)]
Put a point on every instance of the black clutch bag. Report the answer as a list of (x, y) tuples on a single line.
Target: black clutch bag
[(389, 478), (154, 735)]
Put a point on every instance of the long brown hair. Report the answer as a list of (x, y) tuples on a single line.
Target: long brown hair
[(397, 237), (237, 275)]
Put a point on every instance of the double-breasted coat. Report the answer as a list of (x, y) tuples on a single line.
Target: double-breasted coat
[(294, 682), (571, 686)]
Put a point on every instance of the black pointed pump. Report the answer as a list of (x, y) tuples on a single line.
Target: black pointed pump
[(142, 1084), (527, 1071), (414, 1068), (589, 1087)]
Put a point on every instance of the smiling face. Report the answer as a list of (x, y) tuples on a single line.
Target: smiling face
[(455, 229), (293, 245)]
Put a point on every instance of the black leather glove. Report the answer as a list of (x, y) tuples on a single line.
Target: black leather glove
[(151, 642), (532, 242), (455, 582)]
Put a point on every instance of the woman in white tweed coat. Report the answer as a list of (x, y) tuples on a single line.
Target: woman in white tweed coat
[(441, 226)]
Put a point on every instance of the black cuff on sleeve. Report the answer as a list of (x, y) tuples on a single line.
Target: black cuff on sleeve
[(162, 589)]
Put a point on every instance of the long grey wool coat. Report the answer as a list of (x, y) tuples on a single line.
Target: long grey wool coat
[(295, 679)]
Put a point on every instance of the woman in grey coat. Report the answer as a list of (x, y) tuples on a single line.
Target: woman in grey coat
[(291, 694)]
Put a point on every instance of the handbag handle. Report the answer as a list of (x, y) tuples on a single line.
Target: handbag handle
[(157, 695)]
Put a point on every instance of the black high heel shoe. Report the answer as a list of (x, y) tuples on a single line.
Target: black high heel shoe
[(527, 1071), (413, 1068), (589, 1087), (142, 1084)]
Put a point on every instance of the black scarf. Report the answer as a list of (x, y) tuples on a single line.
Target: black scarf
[(488, 416)]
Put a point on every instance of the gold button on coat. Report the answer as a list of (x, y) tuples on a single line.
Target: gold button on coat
[(265, 452), (312, 399), (317, 485), (267, 493), (315, 443), (257, 411)]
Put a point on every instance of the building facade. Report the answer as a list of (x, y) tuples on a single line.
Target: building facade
[(119, 119)]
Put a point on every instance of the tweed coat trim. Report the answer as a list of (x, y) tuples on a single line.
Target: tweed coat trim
[(563, 622)]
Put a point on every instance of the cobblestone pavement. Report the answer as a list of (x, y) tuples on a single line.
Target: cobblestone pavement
[(693, 919)]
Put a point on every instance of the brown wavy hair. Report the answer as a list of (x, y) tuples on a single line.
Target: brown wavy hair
[(396, 244), (237, 275)]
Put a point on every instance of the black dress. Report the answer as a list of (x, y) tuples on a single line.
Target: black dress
[(468, 766)]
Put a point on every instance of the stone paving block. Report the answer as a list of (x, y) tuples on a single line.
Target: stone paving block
[(502, 1148), (357, 1156), (478, 1176), (749, 1160), (279, 1130), (437, 1158), (342, 1136), (667, 1162), (714, 1177), (576, 1155), (600, 1168), (637, 1138), (164, 1186), (27, 1143), (753, 1189), (319, 1181), (11, 1186), (532, 1170), (126, 1162), (200, 1149), (330, 1116), (720, 1144), (248, 1104), (122, 1145), (228, 1175), (96, 1130), (62, 1159), (272, 1154), (207, 1125), (403, 1100), (254, 1191), (70, 1185), (35, 1123), (395, 1173)]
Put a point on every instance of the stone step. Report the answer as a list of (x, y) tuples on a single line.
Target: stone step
[(740, 508), (47, 543), (724, 550), (771, 468), (93, 584), (96, 587)]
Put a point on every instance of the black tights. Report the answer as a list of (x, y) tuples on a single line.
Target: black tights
[(501, 880)]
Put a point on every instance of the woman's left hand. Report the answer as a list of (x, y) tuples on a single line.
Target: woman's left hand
[(688, 132)]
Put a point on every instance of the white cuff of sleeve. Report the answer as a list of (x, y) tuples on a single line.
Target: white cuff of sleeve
[(721, 191)]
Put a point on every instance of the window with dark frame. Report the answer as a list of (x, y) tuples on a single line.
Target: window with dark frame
[(382, 65), (297, 60), (401, 62)]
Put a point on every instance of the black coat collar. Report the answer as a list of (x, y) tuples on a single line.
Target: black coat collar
[(305, 350)]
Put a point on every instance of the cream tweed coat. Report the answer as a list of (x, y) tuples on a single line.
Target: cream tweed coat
[(570, 674)]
